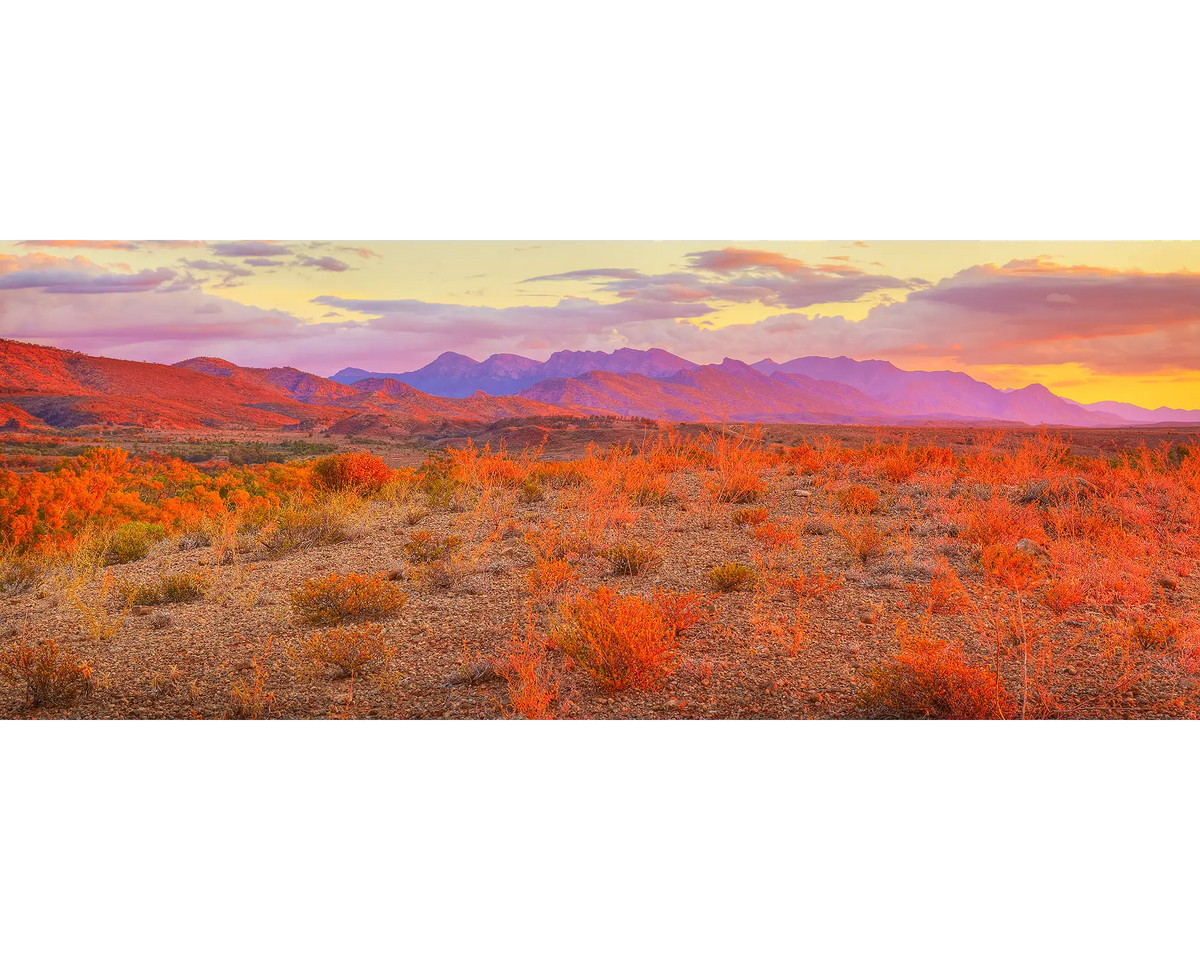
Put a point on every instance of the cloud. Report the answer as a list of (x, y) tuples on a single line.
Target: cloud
[(262, 262), (365, 252), (231, 269), (78, 305), (331, 264), (250, 248), (81, 244), (601, 274), (174, 244), (1024, 313), (68, 281), (735, 275)]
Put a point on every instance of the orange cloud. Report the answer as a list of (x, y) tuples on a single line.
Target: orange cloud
[(81, 244), (733, 258)]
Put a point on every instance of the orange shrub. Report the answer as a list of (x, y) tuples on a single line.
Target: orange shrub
[(997, 521), (532, 689), (750, 516), (811, 585), (1063, 594), (363, 473), (1011, 567), (932, 679), (49, 673), (337, 599), (858, 499), (945, 593), (351, 650), (775, 534), (622, 640), (548, 576), (682, 611)]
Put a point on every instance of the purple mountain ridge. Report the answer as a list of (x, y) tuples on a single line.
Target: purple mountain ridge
[(504, 374), (655, 383)]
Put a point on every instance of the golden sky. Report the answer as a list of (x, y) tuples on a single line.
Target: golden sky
[(1092, 321)]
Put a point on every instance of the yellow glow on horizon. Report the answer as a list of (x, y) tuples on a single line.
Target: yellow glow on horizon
[(493, 274)]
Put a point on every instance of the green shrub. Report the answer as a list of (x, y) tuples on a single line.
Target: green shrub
[(728, 577), (131, 541)]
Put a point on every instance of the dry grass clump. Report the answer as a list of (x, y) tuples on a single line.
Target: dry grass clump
[(436, 563), (739, 462), (414, 515), (19, 575), (442, 488), (530, 491), (440, 574), (351, 651), (301, 528), (621, 639), (932, 679), (164, 684), (1152, 631), (1011, 566), (49, 673), (727, 577), (251, 701), (351, 597), (100, 622), (169, 588), (425, 547), (631, 558), (865, 540)]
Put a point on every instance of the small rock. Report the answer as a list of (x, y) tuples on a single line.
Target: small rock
[(1030, 548), (1168, 583), (1070, 671)]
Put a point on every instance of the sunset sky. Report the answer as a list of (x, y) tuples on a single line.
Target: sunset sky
[(1092, 321)]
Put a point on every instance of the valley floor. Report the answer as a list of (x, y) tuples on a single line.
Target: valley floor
[(1006, 576)]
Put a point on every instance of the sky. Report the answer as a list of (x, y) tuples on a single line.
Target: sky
[(1090, 320)]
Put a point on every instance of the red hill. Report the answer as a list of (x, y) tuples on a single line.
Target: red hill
[(67, 389)]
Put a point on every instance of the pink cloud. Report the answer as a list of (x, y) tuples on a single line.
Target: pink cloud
[(330, 264)]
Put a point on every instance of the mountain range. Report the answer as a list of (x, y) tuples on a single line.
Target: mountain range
[(503, 374), (47, 387)]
